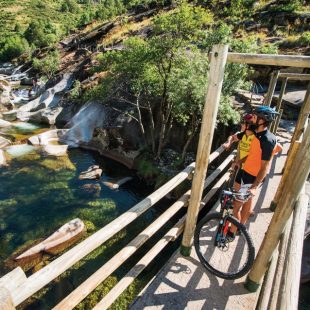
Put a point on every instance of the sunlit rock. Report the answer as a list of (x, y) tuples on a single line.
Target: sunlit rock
[(19, 150), (47, 137), (10, 115), (55, 150), (4, 124), (93, 172)]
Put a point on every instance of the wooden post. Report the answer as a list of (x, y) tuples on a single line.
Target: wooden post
[(277, 282), (272, 87), (287, 169), (6, 302), (303, 115), (216, 76), (277, 122), (292, 188), (288, 295), (278, 108)]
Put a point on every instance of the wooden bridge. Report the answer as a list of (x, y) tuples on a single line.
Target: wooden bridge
[(280, 250)]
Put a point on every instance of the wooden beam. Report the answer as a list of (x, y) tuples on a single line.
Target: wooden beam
[(277, 281), (118, 259), (277, 122), (294, 76), (6, 302), (292, 188), (303, 116), (270, 60), (272, 87), (287, 170), (216, 76), (13, 279), (292, 266)]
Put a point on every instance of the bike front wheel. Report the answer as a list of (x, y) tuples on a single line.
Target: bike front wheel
[(220, 255)]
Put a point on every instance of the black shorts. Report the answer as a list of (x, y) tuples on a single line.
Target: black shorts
[(244, 177)]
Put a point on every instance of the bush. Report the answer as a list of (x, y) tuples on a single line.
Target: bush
[(48, 65), (41, 33), (12, 47)]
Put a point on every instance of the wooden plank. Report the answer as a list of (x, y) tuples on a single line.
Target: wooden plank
[(288, 295), (109, 267), (39, 279), (13, 279), (172, 234), (287, 170), (270, 60), (294, 76), (303, 116), (6, 302), (277, 283), (216, 76), (263, 301), (292, 188), (272, 87)]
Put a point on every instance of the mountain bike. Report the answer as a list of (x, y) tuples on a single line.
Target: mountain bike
[(218, 253)]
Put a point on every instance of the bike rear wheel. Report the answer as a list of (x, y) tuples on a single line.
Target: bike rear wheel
[(227, 260)]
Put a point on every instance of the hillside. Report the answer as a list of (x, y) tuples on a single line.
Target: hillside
[(27, 24)]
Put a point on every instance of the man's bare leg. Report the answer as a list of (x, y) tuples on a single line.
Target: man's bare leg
[(246, 211), (236, 210)]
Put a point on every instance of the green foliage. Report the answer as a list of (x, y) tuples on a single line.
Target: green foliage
[(147, 170), (76, 91), (12, 47), (301, 40), (70, 6), (48, 65), (41, 33)]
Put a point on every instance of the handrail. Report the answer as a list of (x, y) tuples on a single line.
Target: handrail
[(109, 267), (172, 234), (42, 277)]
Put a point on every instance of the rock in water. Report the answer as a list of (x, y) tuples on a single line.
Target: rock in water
[(93, 172)]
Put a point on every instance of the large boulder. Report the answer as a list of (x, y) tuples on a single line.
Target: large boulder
[(47, 137), (4, 124), (92, 115), (55, 150)]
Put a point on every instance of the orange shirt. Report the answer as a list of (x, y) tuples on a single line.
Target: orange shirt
[(253, 162)]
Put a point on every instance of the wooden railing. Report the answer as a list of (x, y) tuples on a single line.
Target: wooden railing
[(20, 287), (280, 288)]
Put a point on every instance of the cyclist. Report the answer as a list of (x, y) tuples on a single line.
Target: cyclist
[(256, 164)]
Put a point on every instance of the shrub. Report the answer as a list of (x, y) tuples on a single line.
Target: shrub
[(48, 65), (41, 33), (12, 47)]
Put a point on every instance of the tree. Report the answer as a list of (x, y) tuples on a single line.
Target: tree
[(145, 84), (48, 65), (41, 33), (12, 47)]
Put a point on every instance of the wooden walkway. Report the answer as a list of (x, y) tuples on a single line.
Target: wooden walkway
[(184, 284)]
